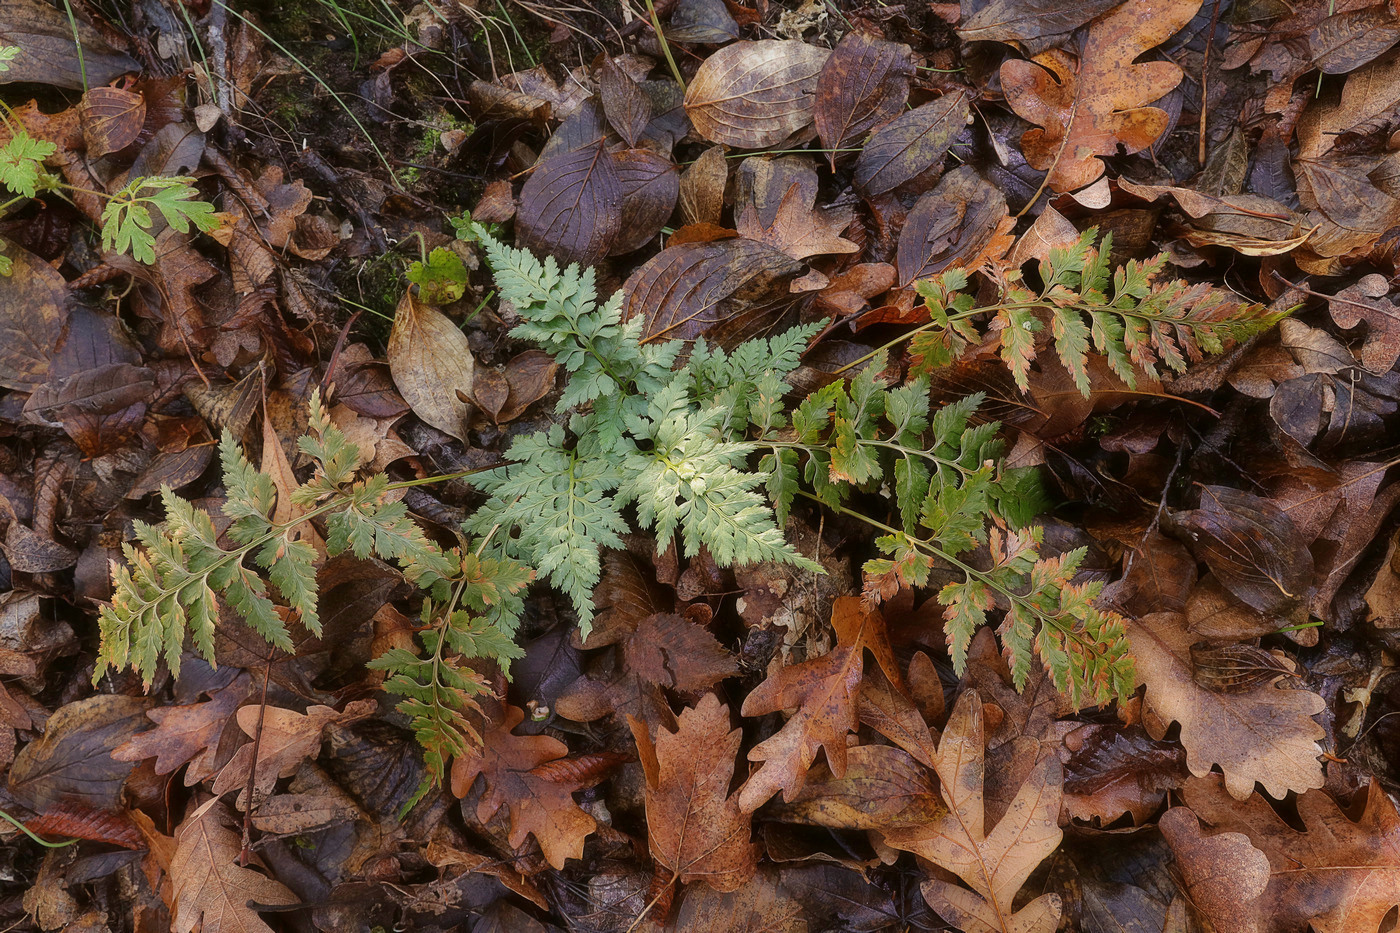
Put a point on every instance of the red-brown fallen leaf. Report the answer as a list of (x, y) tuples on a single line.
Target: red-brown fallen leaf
[(696, 828), (1336, 876), (210, 890), (571, 207), (539, 805), (186, 733), (1091, 108), (1223, 874), (73, 819), (1111, 770), (672, 651), (1265, 735), (884, 788), (824, 691), (994, 865), (961, 222)]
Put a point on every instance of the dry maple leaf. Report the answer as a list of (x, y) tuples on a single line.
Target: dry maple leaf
[(823, 691), (211, 890), (994, 865), (696, 829), (1337, 877), (1265, 734), (798, 228), (288, 739), (186, 733), (1091, 109), (540, 803)]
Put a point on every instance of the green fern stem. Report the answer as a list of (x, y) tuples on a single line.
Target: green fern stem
[(1088, 647)]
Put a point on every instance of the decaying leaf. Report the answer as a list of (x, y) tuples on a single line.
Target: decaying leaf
[(696, 828), (864, 83), (912, 145), (541, 804), (431, 361), (73, 759), (1266, 734), (186, 734), (755, 94), (1090, 108), (287, 739), (571, 206), (883, 788), (1223, 874), (1335, 876)]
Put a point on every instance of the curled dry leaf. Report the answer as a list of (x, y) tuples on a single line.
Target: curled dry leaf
[(755, 94), (864, 82), (571, 206), (1034, 24), (1335, 876), (961, 222), (702, 187), (1265, 735), (1089, 109), (431, 361), (912, 145), (627, 107), (696, 829), (211, 890), (994, 865)]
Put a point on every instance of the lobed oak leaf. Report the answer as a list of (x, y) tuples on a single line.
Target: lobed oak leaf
[(1088, 110), (883, 788), (799, 229), (672, 651), (696, 828), (994, 865), (211, 891), (1266, 734), (1335, 876), (541, 802), (288, 738), (187, 733), (824, 691)]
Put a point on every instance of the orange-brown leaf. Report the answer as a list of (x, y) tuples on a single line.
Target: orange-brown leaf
[(1088, 109), (539, 804), (211, 890), (697, 830), (823, 691)]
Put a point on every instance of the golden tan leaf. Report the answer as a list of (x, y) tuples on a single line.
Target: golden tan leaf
[(431, 363), (211, 890), (755, 94)]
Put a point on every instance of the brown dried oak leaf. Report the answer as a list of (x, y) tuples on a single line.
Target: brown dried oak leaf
[(1090, 109), (823, 691), (187, 733), (540, 797), (1223, 874), (288, 739), (211, 890), (1338, 876), (994, 865), (1266, 734), (696, 829)]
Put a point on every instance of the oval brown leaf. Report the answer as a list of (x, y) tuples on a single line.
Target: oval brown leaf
[(702, 187), (572, 206), (627, 107), (650, 186), (33, 307), (910, 144), (755, 94), (701, 21), (111, 118), (952, 224), (431, 362), (864, 82), (726, 290)]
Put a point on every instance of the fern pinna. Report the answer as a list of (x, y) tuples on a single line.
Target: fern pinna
[(707, 454)]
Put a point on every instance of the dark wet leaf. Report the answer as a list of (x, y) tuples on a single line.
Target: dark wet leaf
[(726, 290), (864, 83), (911, 145), (624, 102), (571, 207), (73, 760), (1235, 668), (33, 306), (649, 185), (49, 54), (954, 224), (706, 21), (1251, 545), (1035, 24)]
